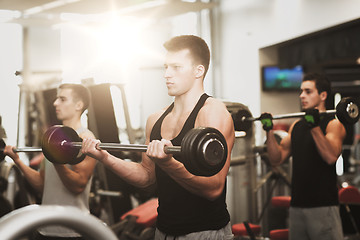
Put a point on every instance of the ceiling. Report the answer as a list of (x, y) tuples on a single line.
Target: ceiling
[(40, 12)]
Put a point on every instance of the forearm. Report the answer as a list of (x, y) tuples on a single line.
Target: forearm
[(32, 176), (73, 181), (138, 174), (327, 151), (273, 149)]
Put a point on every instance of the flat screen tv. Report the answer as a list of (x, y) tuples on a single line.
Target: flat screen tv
[(276, 79)]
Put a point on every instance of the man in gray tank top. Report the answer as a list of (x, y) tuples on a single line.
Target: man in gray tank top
[(315, 144), (65, 185), (186, 63)]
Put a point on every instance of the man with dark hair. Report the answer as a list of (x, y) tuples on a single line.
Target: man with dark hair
[(197, 48), (315, 144), (190, 206), (66, 185)]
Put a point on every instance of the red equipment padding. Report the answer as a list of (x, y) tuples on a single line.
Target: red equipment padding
[(281, 201), (279, 234), (146, 213), (239, 229), (349, 194)]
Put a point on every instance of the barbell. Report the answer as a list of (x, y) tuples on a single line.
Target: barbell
[(203, 150), (347, 111), (20, 149)]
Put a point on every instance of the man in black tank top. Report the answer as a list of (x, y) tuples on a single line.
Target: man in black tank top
[(190, 207), (315, 143)]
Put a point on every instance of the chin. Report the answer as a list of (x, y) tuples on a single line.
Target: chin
[(304, 109), (171, 93)]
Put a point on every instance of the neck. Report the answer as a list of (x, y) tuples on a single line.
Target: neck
[(73, 123), (187, 101), (322, 107)]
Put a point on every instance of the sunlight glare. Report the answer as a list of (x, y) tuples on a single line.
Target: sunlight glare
[(120, 40)]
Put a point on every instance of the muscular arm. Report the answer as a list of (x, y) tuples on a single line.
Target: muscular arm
[(213, 114), (278, 153), (138, 174), (77, 176), (34, 177), (329, 145)]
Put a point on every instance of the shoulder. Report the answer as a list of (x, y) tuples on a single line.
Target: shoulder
[(214, 113), (335, 125), (86, 134), (214, 106)]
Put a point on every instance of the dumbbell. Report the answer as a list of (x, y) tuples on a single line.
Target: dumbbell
[(203, 150), (347, 111)]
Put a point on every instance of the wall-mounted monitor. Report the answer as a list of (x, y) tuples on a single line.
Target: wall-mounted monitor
[(276, 79)]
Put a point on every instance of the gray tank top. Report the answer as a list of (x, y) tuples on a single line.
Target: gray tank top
[(55, 193)]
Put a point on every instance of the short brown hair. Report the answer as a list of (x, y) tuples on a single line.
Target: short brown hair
[(198, 48), (322, 83)]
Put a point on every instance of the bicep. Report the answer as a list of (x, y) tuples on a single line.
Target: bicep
[(285, 147), (335, 135), (218, 117), (285, 143), (85, 168)]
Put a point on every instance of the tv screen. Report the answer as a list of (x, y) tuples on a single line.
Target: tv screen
[(276, 79)]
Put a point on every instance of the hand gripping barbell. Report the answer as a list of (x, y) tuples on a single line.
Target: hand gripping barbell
[(22, 149), (203, 151), (347, 111)]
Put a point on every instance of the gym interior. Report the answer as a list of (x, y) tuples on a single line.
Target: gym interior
[(115, 48)]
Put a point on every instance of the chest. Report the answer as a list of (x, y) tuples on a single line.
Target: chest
[(172, 125)]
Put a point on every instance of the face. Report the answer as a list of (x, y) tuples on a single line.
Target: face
[(65, 106), (309, 96), (180, 72)]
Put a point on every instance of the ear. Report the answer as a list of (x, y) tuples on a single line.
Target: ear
[(200, 70), (79, 105), (323, 95)]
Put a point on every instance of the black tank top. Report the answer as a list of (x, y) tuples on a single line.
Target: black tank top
[(314, 182), (181, 212)]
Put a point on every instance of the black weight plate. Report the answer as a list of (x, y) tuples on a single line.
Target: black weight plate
[(2, 146), (213, 150), (196, 161), (52, 146), (194, 158), (44, 143), (239, 123), (188, 152), (347, 111)]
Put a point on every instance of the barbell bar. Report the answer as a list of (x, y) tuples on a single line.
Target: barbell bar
[(286, 115), (17, 149), (347, 111), (203, 151)]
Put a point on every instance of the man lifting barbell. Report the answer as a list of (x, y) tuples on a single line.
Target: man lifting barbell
[(62, 184), (190, 206), (315, 143), (204, 150), (347, 111)]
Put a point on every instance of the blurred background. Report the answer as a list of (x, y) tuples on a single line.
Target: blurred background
[(260, 50)]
